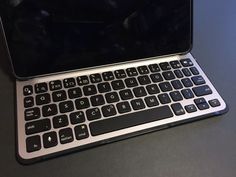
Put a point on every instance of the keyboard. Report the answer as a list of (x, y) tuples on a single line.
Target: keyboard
[(69, 111)]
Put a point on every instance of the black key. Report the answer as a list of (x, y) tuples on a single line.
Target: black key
[(81, 132), (32, 113), (118, 85), (164, 98), (28, 102), (59, 96), (60, 121), (187, 93), (202, 90), (37, 126), (177, 84), (190, 108), (186, 62), (55, 85), (214, 103), (165, 86), (131, 82), (187, 82), (139, 92), (126, 94), (33, 143), (165, 66), (175, 64), (144, 80), (97, 100), (201, 103), (104, 87), (108, 110), (93, 114), (120, 74), (129, 120), (77, 117), (66, 106), (50, 139), (27, 90), (194, 70), (168, 75), (156, 77), (49, 110), (41, 87), (69, 82), (176, 96), (66, 135), (89, 90), (153, 89), (43, 99), (95, 78), (178, 109), (123, 107), (198, 80), (154, 68), (108, 76), (186, 72), (112, 97), (178, 73), (143, 70), (74, 93), (151, 101), (82, 80), (131, 72), (137, 104)]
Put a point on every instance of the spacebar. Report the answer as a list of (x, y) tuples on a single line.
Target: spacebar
[(129, 120)]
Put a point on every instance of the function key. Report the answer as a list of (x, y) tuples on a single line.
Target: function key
[(37, 126), (66, 135), (33, 143), (165, 66), (74, 93), (194, 70), (104, 87), (214, 103), (186, 62), (50, 139), (43, 99), (27, 90), (95, 78), (28, 102), (154, 68), (69, 82), (32, 113), (131, 72), (107, 76), (55, 85), (82, 80), (77, 117), (81, 132), (41, 87), (143, 70), (120, 74), (175, 64)]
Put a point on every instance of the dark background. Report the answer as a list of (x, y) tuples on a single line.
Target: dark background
[(203, 148)]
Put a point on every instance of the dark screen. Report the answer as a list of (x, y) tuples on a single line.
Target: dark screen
[(47, 36)]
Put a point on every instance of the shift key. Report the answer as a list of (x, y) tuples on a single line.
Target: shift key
[(37, 126)]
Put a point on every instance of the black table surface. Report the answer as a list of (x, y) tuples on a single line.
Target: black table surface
[(203, 148)]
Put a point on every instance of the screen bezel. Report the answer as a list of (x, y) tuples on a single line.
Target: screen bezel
[(19, 77)]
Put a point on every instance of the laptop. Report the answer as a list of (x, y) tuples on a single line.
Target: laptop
[(93, 72)]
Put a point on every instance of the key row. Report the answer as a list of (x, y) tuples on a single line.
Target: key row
[(109, 76)]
